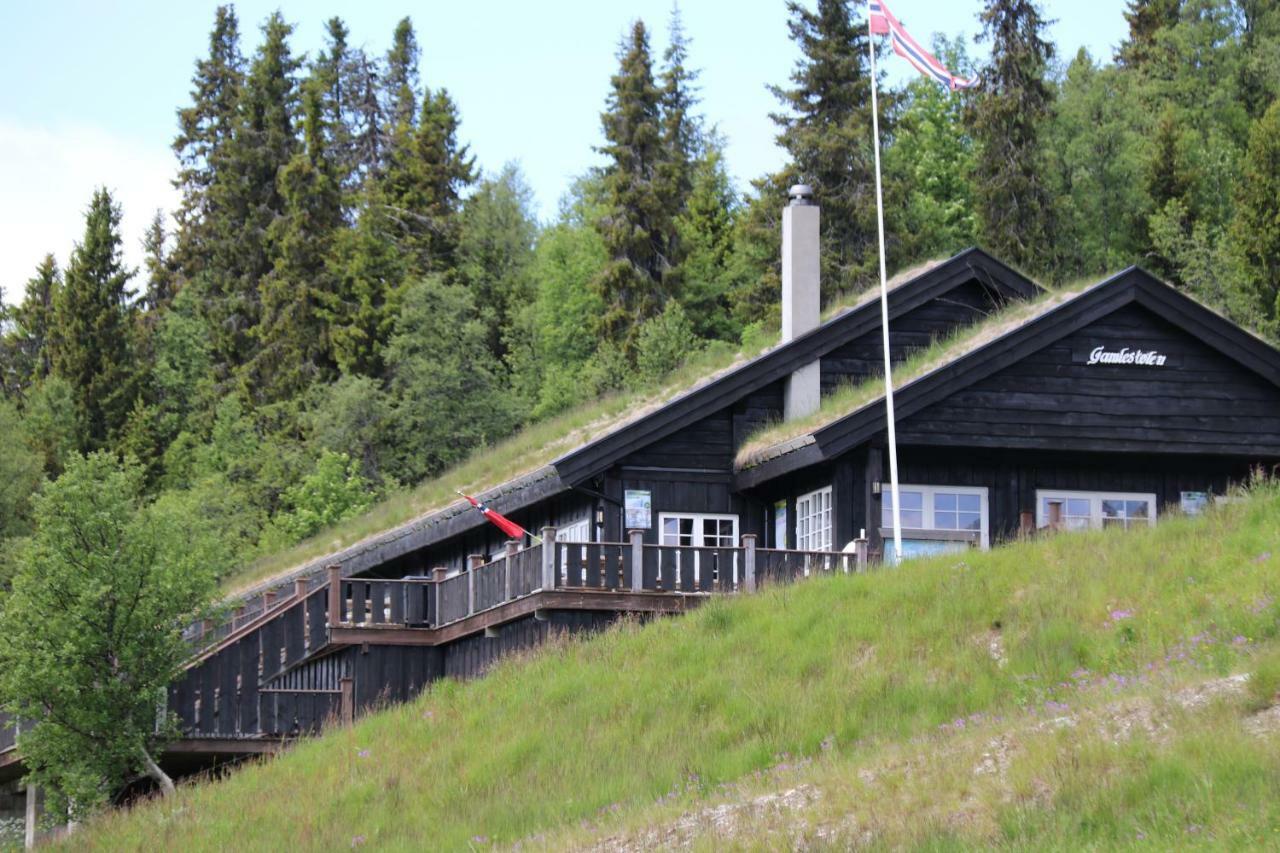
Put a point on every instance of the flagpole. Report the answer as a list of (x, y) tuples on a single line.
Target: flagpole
[(884, 310)]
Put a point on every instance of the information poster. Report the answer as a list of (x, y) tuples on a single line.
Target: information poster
[(639, 509), (1194, 503)]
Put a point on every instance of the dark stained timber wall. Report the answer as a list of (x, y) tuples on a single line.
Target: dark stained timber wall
[(915, 330), (1198, 401)]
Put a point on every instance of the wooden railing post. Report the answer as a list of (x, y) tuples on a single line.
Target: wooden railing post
[(438, 574), (268, 600), (637, 559), (512, 547), (335, 595), (749, 561), (300, 588), (860, 546), (548, 558), (348, 706), (474, 561)]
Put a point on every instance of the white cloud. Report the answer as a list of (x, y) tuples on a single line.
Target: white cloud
[(47, 177)]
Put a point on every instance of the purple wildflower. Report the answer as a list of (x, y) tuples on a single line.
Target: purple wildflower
[(364, 753), (1239, 640), (358, 841), (1118, 615)]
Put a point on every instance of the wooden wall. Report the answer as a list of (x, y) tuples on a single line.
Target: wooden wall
[(1199, 402)]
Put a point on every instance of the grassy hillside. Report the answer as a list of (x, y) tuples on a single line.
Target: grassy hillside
[(844, 709)]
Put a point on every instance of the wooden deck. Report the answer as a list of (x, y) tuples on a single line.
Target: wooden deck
[(289, 667)]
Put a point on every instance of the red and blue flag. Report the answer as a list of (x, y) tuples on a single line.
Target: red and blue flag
[(884, 23), (506, 525)]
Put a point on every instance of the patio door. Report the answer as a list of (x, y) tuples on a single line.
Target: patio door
[(700, 530)]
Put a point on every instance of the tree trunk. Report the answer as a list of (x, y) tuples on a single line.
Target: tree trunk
[(153, 770)]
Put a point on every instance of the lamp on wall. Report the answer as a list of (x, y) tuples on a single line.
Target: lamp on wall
[(876, 487)]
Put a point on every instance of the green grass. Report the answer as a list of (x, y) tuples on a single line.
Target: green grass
[(624, 729)]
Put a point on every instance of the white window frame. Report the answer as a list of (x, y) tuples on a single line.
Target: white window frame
[(927, 507), (698, 518), (578, 531), (1095, 504), (698, 542), (810, 507)]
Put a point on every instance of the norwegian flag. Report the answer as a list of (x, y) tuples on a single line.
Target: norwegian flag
[(506, 525), (882, 22)]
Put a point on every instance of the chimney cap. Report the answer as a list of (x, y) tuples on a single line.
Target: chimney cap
[(801, 194)]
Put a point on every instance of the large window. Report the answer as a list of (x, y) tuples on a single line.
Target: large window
[(813, 521), (1064, 510), (579, 531), (939, 508), (699, 530)]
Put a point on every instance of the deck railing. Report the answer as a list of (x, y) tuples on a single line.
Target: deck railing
[(620, 567)]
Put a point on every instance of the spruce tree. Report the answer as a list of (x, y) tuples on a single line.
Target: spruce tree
[(826, 129), (91, 318), (421, 188), (162, 272), (205, 131), (681, 128), (369, 274), (293, 348), (247, 194), (1146, 18), (1255, 231), (401, 79), (638, 225), (1007, 117), (333, 76), (34, 326)]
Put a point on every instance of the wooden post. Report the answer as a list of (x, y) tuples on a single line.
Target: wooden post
[(548, 558), (637, 559), (300, 588), (33, 816), (474, 561), (268, 600), (348, 705), (1026, 523), (512, 547), (860, 547), (749, 562), (335, 595), (438, 575)]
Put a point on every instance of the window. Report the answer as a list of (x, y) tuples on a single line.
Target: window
[(699, 531), (579, 531), (1082, 510), (938, 508), (813, 521), (780, 524)]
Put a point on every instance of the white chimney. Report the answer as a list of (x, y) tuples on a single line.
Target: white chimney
[(800, 303)]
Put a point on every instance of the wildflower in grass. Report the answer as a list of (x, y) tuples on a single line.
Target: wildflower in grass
[(1239, 640), (1120, 615), (358, 841), (364, 753)]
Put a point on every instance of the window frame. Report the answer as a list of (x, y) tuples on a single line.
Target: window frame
[(804, 513), (928, 508), (583, 523), (1095, 499), (698, 519)]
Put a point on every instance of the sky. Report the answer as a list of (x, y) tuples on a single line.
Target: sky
[(93, 88)]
